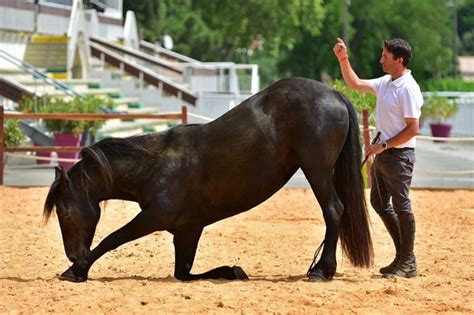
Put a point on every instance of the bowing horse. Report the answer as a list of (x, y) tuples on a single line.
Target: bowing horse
[(190, 176)]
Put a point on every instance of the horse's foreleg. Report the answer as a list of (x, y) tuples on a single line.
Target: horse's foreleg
[(144, 223), (185, 243), (332, 208)]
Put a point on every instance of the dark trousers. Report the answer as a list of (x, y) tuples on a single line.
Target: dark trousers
[(391, 174)]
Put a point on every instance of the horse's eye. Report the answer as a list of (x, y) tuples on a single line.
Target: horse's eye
[(63, 211)]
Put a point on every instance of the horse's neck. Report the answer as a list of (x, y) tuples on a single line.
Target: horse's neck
[(123, 189)]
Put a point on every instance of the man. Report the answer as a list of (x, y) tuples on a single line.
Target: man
[(399, 102)]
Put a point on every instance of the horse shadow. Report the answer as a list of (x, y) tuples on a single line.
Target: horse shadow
[(170, 279)]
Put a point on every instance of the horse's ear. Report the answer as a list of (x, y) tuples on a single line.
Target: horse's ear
[(63, 179), (57, 172)]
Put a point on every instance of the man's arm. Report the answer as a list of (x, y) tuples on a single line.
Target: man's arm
[(350, 77), (410, 131)]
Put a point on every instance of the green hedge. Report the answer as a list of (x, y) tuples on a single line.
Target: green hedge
[(13, 135), (447, 84), (88, 104)]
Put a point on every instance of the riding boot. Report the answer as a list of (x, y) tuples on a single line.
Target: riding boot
[(406, 266), (393, 227)]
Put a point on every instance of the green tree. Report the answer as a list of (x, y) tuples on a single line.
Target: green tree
[(466, 26), (299, 34), (425, 24), (224, 30)]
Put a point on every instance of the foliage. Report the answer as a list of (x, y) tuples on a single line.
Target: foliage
[(360, 100), (439, 108), (88, 104), (447, 84), (224, 30), (299, 35), (13, 135), (466, 27)]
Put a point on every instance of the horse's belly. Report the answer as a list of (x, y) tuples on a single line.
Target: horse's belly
[(237, 191)]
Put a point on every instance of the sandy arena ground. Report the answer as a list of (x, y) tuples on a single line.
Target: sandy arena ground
[(274, 243)]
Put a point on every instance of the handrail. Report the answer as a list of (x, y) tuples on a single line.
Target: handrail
[(37, 74), (167, 53), (59, 116), (13, 90), (137, 54), (147, 75)]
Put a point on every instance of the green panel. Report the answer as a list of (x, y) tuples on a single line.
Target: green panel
[(135, 105), (148, 129), (93, 85)]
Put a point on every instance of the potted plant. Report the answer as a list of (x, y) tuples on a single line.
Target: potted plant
[(69, 132), (13, 135), (438, 110)]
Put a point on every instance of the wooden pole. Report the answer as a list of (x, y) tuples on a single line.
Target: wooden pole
[(368, 164), (59, 116), (184, 115), (92, 116), (1, 145)]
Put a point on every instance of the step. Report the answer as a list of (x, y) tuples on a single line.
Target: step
[(37, 82), (102, 92), (117, 127), (41, 38), (80, 81), (145, 110), (125, 100)]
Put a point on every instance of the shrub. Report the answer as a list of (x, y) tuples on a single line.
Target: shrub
[(88, 104), (439, 108), (447, 84), (360, 100), (13, 135)]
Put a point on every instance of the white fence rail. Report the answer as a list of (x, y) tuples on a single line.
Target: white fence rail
[(463, 121)]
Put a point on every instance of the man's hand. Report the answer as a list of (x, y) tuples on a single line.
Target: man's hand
[(375, 149), (340, 49)]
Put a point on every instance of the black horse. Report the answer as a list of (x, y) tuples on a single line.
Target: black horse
[(190, 176)]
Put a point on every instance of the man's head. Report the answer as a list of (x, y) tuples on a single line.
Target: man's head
[(395, 57), (400, 49)]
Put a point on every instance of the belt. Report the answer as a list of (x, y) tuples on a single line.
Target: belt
[(393, 150)]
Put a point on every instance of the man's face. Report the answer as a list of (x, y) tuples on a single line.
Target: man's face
[(389, 63)]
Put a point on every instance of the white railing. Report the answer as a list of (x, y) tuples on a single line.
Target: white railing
[(463, 120), (222, 77)]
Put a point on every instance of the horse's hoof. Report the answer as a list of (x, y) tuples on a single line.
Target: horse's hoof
[(317, 276), (69, 275), (240, 273)]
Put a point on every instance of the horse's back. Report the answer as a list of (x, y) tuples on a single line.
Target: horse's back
[(250, 152), (237, 161)]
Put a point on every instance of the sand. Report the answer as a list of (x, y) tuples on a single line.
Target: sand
[(274, 243)]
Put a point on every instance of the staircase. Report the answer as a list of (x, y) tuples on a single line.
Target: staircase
[(48, 52)]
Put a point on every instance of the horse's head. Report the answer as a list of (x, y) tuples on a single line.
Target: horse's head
[(78, 217)]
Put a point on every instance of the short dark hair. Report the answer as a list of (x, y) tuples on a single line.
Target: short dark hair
[(399, 48)]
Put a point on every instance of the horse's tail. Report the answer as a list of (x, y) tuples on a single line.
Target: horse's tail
[(354, 229)]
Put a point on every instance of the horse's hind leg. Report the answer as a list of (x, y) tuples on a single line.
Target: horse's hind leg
[(323, 187), (185, 244)]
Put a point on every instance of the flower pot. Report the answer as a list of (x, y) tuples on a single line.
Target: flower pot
[(42, 154), (67, 140), (441, 130)]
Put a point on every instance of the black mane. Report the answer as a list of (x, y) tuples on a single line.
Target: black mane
[(98, 156)]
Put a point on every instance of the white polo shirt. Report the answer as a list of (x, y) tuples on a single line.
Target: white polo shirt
[(396, 100)]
